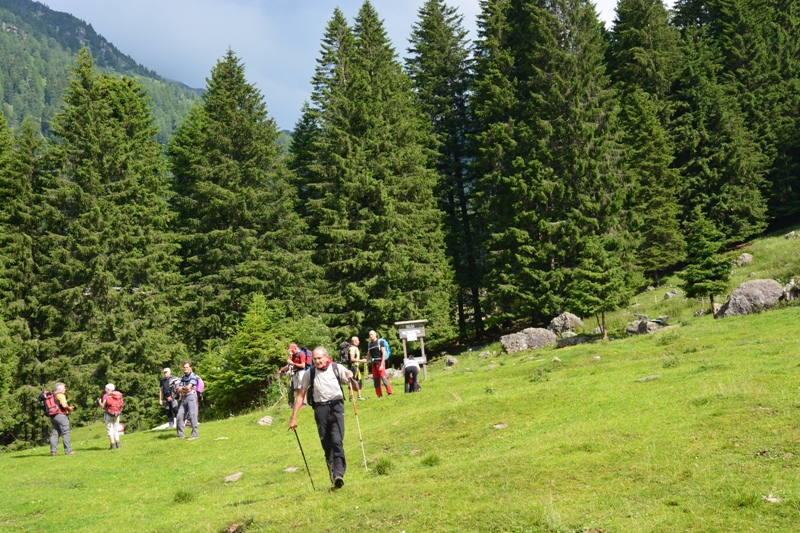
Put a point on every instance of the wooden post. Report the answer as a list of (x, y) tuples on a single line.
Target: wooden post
[(424, 367)]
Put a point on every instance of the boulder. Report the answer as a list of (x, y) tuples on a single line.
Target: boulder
[(233, 477), (751, 296), (671, 294), (450, 360), (644, 325), (266, 421), (484, 354), (565, 322), (791, 235), (744, 259), (574, 341), (528, 339), (791, 291)]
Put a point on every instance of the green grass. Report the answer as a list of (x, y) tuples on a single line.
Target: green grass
[(507, 443)]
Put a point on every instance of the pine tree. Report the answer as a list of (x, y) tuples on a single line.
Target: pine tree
[(706, 273), (598, 282), (237, 210), (721, 164), (370, 183), (108, 280), (440, 70), (547, 148)]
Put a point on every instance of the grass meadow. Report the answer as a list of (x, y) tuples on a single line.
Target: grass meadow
[(693, 428)]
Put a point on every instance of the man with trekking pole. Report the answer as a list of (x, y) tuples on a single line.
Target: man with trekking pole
[(325, 379)]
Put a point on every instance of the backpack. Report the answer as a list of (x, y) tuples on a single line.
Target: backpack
[(344, 353), (49, 404), (307, 354), (114, 403), (174, 384), (310, 389), (201, 386), (386, 346)]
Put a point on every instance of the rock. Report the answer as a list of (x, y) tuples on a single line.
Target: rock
[(574, 341), (221, 438), (528, 339), (555, 360), (290, 469), (744, 259), (596, 358), (266, 421), (715, 308), (699, 313), (392, 373), (671, 294), (648, 378), (234, 477), (662, 320), (770, 497), (632, 328), (650, 288), (447, 368), (500, 426), (644, 326), (450, 360), (484, 355), (751, 296), (565, 322), (791, 291), (791, 235), (597, 331)]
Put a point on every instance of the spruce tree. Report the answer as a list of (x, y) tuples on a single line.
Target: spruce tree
[(237, 221), (108, 280), (721, 164), (371, 186), (547, 149), (440, 69), (598, 282), (707, 273)]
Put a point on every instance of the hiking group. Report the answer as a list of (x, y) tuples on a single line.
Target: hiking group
[(314, 380), (320, 385)]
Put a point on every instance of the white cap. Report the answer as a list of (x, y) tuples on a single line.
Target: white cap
[(110, 387)]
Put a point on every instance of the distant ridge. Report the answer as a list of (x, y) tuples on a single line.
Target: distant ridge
[(37, 49)]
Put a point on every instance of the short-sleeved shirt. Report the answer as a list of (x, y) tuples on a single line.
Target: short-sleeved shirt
[(191, 379), (61, 398), (299, 358), (165, 388), (326, 388)]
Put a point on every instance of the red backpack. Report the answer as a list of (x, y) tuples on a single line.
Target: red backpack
[(50, 404), (114, 403)]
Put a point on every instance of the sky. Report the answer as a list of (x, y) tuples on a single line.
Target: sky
[(277, 40)]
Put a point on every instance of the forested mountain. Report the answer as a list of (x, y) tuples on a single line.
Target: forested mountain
[(37, 50)]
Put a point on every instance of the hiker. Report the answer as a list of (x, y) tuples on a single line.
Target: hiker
[(410, 374), (327, 400), (355, 359), (111, 417), (297, 363), (60, 421), (377, 354), (167, 396), (188, 406)]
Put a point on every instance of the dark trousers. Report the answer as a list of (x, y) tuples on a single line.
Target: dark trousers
[(330, 425), (171, 408), (411, 379)]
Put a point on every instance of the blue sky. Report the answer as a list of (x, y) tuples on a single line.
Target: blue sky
[(278, 40)]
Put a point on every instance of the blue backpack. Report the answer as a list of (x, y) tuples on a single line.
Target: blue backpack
[(307, 356), (385, 346)]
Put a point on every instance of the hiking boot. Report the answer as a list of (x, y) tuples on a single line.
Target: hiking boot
[(53, 454), (70, 453), (361, 398), (111, 447), (192, 438), (119, 445), (338, 483)]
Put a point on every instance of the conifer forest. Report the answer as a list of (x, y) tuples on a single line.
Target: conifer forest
[(550, 164)]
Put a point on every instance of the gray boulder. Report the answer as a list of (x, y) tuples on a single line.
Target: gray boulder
[(450, 360), (528, 339), (744, 259), (565, 322), (671, 294), (644, 325), (751, 296), (791, 235), (574, 340)]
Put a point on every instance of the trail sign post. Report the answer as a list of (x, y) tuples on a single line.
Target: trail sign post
[(414, 331)]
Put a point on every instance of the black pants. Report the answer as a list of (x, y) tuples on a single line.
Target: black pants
[(171, 409), (411, 381), (330, 425)]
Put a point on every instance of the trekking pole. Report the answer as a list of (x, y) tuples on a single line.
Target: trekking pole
[(91, 426), (304, 459), (363, 454)]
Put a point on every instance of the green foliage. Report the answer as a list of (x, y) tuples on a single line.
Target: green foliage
[(364, 164), (706, 273), (441, 72), (237, 373), (239, 230)]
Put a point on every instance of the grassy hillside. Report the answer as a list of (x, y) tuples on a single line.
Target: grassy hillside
[(587, 447)]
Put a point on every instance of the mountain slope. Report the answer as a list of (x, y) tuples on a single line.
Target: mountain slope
[(37, 47)]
